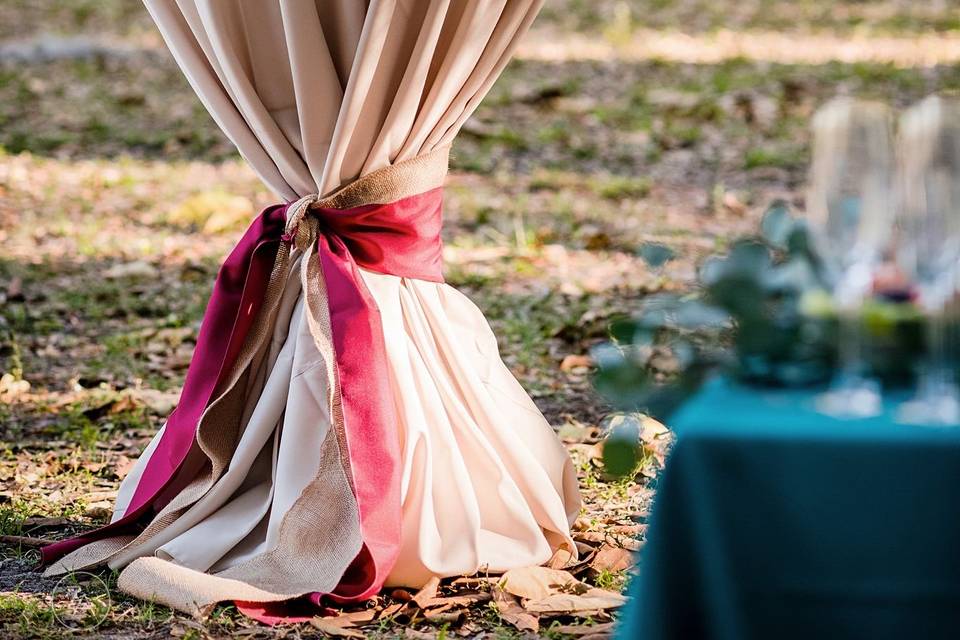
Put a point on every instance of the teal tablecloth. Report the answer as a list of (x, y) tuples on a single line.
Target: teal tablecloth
[(772, 521)]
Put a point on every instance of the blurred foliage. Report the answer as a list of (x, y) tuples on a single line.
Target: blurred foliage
[(762, 313)]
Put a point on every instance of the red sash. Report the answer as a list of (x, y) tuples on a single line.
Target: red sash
[(401, 238)]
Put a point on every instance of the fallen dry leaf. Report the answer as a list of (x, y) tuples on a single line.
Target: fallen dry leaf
[(512, 613), (445, 614), (610, 558), (573, 361), (560, 558), (123, 465), (392, 610), (332, 627), (43, 521), (137, 269), (576, 432), (567, 603), (536, 583), (461, 599), (628, 529), (354, 617), (651, 429), (427, 593)]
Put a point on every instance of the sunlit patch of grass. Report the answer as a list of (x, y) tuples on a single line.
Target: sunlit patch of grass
[(12, 518), (526, 325), (615, 187), (30, 617), (554, 180), (771, 157), (612, 580), (150, 614)]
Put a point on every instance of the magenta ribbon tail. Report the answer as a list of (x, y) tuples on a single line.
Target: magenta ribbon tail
[(237, 296)]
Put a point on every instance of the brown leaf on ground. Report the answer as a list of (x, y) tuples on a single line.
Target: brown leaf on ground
[(353, 617), (628, 529), (512, 613), (560, 559), (122, 465), (610, 558), (446, 614), (392, 610), (536, 582), (42, 521), (651, 429), (593, 599), (573, 432), (460, 599), (600, 537), (333, 627), (573, 361), (475, 582), (427, 593)]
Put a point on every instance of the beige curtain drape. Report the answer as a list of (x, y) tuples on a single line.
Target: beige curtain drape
[(315, 94)]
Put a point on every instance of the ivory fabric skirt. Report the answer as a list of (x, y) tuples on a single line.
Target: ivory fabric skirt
[(486, 484)]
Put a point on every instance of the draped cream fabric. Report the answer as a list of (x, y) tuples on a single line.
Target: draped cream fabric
[(315, 93)]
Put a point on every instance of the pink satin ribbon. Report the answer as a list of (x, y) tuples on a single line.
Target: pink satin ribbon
[(401, 238)]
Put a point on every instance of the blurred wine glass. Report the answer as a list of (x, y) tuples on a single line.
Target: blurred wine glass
[(928, 246), (849, 203)]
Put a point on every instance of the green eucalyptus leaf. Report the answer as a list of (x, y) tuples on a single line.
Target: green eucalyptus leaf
[(740, 296), (711, 271), (655, 254), (749, 256), (623, 331), (620, 456), (777, 224), (792, 277), (607, 356), (694, 314), (799, 240)]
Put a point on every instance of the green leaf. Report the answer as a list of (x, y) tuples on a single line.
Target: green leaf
[(792, 277), (656, 255), (777, 224), (694, 314), (620, 456)]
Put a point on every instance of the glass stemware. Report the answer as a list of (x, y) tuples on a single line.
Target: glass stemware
[(849, 202), (928, 247)]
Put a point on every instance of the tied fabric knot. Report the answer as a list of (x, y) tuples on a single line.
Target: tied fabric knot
[(300, 229)]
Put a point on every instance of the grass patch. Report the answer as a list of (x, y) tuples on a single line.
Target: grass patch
[(758, 157)]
